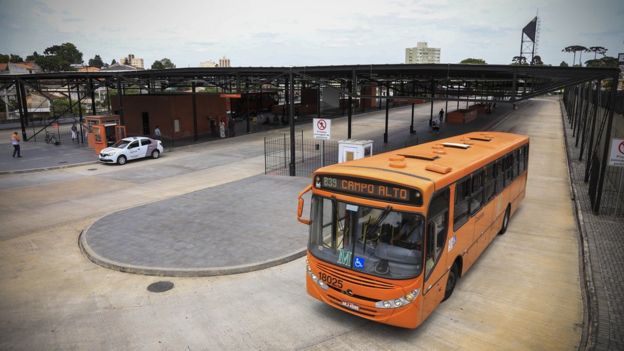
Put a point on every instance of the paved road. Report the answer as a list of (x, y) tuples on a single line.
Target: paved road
[(524, 293)]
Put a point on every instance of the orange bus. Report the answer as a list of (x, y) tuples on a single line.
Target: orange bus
[(391, 234)]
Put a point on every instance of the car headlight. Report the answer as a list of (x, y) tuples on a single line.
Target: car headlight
[(401, 301), (316, 279)]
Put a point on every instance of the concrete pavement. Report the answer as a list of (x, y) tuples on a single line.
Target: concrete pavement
[(523, 293)]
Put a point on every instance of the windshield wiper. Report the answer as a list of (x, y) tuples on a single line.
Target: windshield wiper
[(373, 227)]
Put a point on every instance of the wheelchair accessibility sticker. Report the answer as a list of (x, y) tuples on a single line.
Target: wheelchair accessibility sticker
[(358, 262)]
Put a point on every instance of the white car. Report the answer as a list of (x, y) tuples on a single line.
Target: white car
[(131, 148)]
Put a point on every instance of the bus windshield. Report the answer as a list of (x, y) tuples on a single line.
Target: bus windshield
[(376, 241)]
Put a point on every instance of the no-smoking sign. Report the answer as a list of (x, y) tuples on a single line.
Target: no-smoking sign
[(617, 153), (322, 128)]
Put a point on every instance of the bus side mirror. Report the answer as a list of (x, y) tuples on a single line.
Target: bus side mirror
[(300, 204)]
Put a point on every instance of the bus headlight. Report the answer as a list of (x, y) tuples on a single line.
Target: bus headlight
[(401, 301), (315, 279)]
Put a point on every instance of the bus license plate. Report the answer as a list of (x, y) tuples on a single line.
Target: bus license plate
[(350, 305)]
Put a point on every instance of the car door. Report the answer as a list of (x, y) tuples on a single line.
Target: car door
[(133, 150), (145, 144)]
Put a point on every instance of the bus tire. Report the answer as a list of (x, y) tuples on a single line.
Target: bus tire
[(505, 221), (453, 277)]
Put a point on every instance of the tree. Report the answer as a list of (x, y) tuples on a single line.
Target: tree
[(165, 63), (597, 50), (32, 57), (606, 62), (563, 64), (96, 62), (473, 61), (518, 61), (59, 57), (537, 61), (113, 62), (13, 58), (574, 49)]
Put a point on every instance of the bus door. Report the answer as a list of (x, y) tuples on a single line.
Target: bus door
[(436, 266)]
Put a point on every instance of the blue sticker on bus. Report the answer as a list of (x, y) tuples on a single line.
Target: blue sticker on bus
[(358, 262)]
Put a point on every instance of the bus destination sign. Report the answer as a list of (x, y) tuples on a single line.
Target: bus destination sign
[(369, 189)]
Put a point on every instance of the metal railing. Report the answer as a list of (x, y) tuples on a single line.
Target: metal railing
[(312, 154)]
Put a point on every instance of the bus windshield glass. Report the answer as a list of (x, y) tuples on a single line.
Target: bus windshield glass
[(376, 241)]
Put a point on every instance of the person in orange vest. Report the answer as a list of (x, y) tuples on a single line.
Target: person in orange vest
[(15, 141)]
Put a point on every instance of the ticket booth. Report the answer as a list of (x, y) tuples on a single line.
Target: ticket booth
[(352, 149), (103, 131)]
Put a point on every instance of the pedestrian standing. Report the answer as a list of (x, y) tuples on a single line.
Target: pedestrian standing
[(441, 115), (74, 133), (15, 141), (157, 133), (222, 129)]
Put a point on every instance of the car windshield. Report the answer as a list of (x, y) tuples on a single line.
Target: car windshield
[(376, 241), (120, 144)]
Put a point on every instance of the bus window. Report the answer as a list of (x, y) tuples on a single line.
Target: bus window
[(476, 196), (507, 168), (437, 228), (526, 157), (462, 198), (515, 164), (489, 180)]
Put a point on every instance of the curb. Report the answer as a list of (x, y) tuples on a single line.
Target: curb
[(33, 170), (179, 272), (590, 301)]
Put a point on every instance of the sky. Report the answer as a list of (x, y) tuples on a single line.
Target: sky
[(298, 33)]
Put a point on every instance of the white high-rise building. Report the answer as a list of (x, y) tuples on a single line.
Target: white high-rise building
[(224, 62), (422, 54)]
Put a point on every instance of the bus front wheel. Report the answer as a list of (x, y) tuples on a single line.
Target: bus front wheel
[(505, 221), (453, 277)]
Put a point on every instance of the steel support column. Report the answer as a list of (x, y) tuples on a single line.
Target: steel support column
[(23, 108), (194, 101), (607, 144), (349, 109), (432, 96), (80, 110), (93, 111), (387, 110), (412, 119), (291, 121), (120, 97)]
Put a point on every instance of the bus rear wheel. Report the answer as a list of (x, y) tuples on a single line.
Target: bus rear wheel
[(453, 277), (505, 221)]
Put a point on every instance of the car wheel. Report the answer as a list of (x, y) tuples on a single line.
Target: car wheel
[(122, 160), (453, 276), (155, 154), (505, 221)]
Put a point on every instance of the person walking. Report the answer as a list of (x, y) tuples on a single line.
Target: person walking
[(74, 133), (157, 134), (15, 141), (441, 115)]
